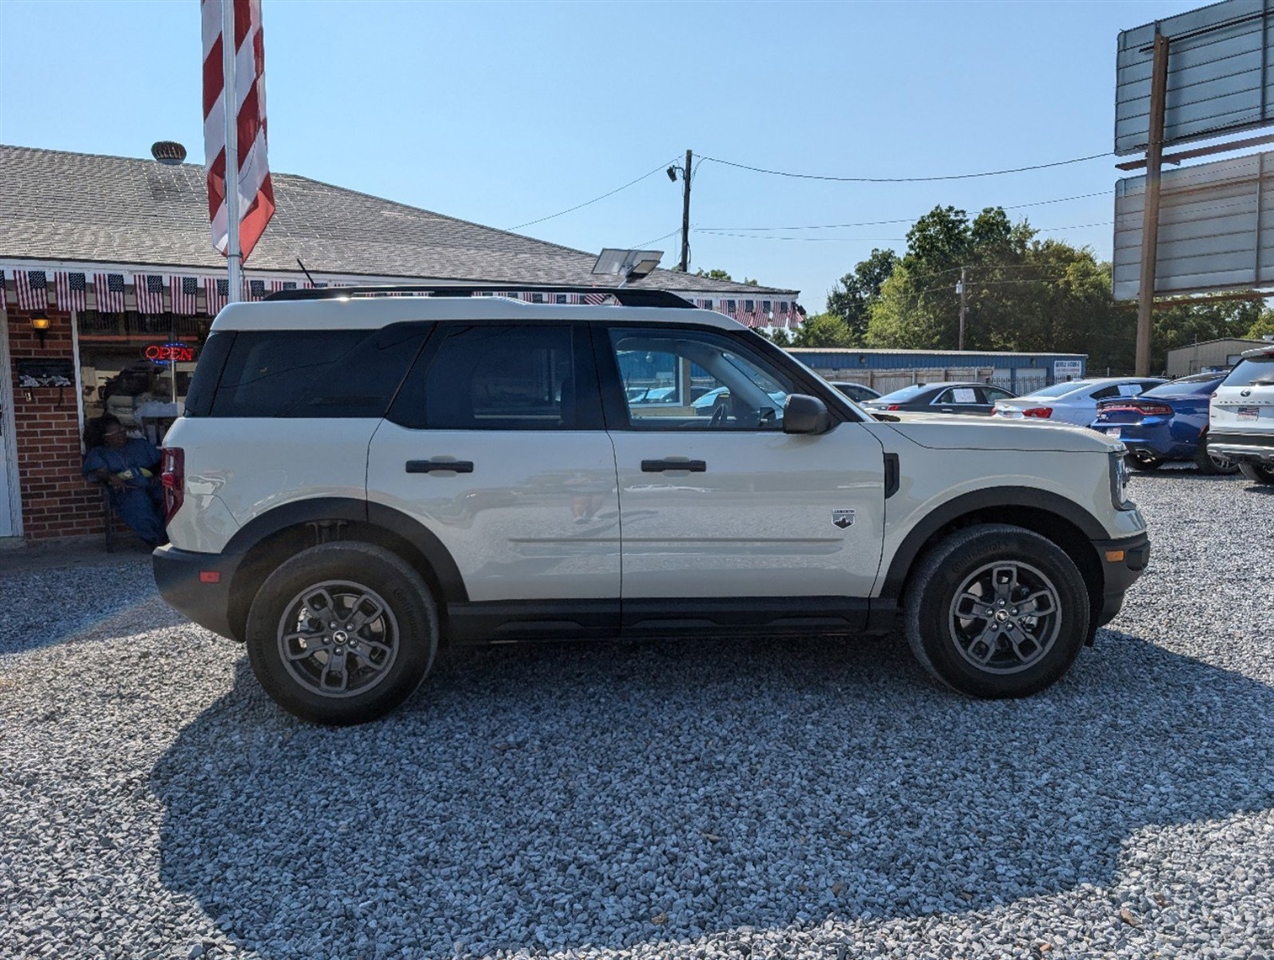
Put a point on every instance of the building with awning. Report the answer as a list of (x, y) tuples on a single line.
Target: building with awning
[(111, 283)]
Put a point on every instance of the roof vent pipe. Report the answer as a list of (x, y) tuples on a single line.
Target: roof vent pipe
[(168, 152)]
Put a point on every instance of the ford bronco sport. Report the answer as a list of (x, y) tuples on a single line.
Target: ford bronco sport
[(358, 480)]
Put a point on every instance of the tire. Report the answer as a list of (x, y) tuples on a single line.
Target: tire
[(387, 629), (950, 579), (1143, 462), (1211, 465), (1258, 472)]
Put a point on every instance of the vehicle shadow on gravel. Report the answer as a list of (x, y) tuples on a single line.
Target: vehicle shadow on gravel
[(568, 796)]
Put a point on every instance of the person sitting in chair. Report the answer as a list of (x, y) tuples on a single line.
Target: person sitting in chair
[(129, 466)]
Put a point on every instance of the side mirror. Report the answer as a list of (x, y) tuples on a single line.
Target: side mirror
[(805, 414)]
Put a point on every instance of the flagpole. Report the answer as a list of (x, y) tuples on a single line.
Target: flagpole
[(230, 92)]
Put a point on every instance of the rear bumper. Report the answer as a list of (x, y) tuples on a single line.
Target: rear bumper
[(197, 585), (1254, 446), (1122, 562)]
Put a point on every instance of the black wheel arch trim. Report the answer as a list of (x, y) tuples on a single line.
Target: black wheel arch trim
[(394, 522), (946, 513)]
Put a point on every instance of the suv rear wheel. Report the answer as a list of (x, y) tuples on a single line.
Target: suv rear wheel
[(1258, 472), (997, 611), (342, 633)]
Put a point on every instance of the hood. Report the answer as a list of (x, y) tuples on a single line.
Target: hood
[(956, 432)]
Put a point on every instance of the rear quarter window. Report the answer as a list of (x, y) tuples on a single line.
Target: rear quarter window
[(309, 373)]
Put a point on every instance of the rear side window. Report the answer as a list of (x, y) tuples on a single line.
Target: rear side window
[(501, 378), (308, 373), (203, 385)]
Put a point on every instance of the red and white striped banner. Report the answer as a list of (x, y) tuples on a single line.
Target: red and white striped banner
[(148, 288), (72, 291), (109, 289), (256, 193), (33, 289), (185, 294), (217, 292)]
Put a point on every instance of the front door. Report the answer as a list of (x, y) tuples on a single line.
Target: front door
[(715, 499)]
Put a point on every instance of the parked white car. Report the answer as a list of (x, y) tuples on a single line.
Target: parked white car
[(359, 480), (1074, 401), (1242, 416)]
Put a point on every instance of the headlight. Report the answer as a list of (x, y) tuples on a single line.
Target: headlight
[(1119, 480)]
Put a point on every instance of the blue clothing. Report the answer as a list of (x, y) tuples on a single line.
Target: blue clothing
[(141, 503)]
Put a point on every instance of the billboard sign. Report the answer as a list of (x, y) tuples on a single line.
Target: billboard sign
[(1216, 228), (1219, 74)]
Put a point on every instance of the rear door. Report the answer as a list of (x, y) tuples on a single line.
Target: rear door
[(496, 445), (717, 501), (967, 399)]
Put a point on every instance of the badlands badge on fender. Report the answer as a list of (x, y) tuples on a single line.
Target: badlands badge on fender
[(843, 518)]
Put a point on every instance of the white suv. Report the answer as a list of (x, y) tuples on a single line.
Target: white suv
[(1241, 415), (358, 480)]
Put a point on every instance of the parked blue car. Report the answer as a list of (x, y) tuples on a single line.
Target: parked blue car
[(1168, 422)]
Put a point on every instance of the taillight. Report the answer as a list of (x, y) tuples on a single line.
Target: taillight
[(1154, 409), (894, 406), (173, 480), (1043, 413)]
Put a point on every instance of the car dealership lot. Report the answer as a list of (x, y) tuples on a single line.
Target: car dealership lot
[(758, 798)]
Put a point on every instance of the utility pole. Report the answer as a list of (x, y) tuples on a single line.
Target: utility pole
[(685, 216), (1150, 212), (963, 307)]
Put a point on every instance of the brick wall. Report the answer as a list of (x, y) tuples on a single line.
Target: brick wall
[(56, 500)]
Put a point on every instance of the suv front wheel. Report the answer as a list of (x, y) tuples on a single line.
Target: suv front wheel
[(342, 633), (997, 611)]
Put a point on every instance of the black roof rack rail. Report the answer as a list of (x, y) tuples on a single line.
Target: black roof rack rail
[(625, 296)]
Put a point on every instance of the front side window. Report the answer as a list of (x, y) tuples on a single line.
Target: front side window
[(691, 379)]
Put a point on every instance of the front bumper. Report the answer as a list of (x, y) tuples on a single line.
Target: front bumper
[(197, 585), (1122, 562)]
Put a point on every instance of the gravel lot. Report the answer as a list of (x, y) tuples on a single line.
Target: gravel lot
[(747, 800)]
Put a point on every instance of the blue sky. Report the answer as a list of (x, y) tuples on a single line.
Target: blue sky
[(504, 113)]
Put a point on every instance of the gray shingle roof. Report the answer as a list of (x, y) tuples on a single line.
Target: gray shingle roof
[(86, 208)]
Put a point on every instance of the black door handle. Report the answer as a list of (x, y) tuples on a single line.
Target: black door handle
[(431, 466), (659, 466)]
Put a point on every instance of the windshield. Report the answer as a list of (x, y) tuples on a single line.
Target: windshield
[(906, 393), (1059, 389), (1251, 370)]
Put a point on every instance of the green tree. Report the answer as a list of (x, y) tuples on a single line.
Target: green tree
[(823, 330), (1197, 321), (1263, 327), (714, 275), (857, 290)]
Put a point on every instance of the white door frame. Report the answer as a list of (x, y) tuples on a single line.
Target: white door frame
[(11, 506)]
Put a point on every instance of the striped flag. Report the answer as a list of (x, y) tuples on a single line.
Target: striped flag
[(595, 298), (217, 292), (72, 291), (252, 179), (109, 288), (33, 289), (185, 291), (277, 286), (149, 290)]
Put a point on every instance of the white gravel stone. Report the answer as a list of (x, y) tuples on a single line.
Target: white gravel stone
[(757, 799)]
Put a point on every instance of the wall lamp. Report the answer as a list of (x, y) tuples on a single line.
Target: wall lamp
[(40, 324)]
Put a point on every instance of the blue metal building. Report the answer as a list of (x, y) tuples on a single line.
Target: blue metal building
[(887, 370)]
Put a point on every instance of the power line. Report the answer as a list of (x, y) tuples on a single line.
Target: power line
[(670, 233), (580, 206), (881, 223), (952, 176)]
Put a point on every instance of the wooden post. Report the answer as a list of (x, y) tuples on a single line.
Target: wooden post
[(1150, 213)]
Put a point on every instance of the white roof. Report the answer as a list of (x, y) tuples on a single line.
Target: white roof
[(354, 313)]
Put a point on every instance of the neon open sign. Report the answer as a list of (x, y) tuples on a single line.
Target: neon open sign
[(166, 353)]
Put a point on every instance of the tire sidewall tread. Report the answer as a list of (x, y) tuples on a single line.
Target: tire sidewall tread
[(944, 568), (398, 584)]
